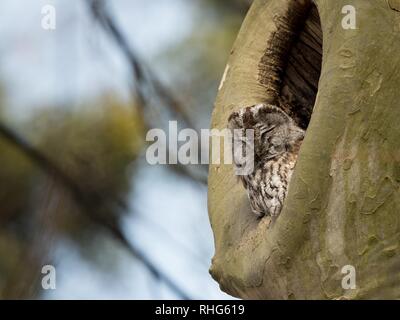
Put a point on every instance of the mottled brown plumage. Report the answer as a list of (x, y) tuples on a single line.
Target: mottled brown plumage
[(277, 141)]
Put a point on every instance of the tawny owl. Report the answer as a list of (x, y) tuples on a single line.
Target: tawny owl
[(277, 141)]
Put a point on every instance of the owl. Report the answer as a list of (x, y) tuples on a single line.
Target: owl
[(277, 140)]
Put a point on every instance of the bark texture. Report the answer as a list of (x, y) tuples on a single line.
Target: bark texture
[(343, 205)]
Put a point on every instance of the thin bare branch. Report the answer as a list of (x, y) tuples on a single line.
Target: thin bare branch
[(144, 79), (143, 76), (93, 205)]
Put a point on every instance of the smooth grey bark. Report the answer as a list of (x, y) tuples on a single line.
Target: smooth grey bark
[(343, 202)]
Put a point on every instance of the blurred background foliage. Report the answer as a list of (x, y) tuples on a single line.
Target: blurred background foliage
[(99, 144)]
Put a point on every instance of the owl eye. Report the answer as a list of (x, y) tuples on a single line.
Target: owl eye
[(266, 130)]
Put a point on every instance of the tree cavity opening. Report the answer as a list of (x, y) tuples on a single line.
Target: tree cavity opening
[(291, 65)]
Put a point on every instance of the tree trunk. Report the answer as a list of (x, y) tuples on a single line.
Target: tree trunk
[(343, 202)]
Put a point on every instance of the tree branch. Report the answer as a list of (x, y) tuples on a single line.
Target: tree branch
[(144, 78), (92, 204)]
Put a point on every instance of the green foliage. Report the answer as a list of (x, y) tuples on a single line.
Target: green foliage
[(15, 178), (96, 146)]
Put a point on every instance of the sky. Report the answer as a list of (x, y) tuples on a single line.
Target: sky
[(77, 61)]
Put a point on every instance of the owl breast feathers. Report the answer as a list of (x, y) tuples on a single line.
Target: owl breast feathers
[(277, 141)]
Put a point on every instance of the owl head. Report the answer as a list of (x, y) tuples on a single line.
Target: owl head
[(274, 131)]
